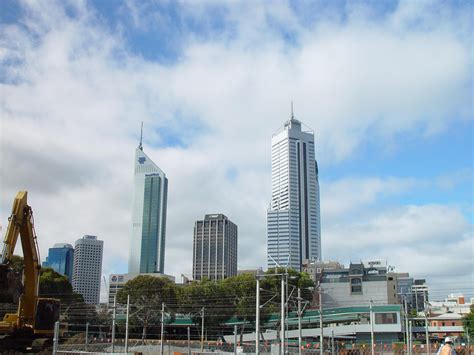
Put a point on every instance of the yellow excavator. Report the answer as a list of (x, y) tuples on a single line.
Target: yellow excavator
[(32, 326)]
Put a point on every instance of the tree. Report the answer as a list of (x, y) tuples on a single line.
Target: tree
[(468, 322), (147, 293), (241, 291), (210, 296)]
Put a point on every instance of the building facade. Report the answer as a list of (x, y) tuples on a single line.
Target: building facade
[(355, 285), (214, 248), (87, 271), (147, 242), (293, 217), (61, 259)]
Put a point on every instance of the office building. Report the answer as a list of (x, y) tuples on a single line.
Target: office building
[(147, 242), (88, 268), (293, 217), (354, 285), (215, 248), (61, 259)]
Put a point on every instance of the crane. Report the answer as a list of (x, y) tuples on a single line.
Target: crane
[(32, 326)]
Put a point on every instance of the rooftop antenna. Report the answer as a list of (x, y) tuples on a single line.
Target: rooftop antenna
[(292, 114), (140, 146)]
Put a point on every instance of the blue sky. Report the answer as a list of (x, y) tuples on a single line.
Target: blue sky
[(385, 85)]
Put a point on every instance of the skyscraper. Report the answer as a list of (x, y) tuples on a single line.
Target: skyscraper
[(293, 217), (147, 243), (88, 268), (215, 248), (61, 259)]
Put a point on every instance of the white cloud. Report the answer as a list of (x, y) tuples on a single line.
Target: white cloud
[(71, 109)]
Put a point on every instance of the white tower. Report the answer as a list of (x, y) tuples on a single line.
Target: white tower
[(87, 269), (147, 242), (293, 218)]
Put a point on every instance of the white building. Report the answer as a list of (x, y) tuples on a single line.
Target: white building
[(147, 242), (293, 217), (87, 269)]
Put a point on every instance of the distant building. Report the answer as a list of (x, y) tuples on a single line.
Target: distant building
[(61, 259), (215, 248), (454, 303), (419, 292), (293, 217), (150, 193), (117, 281), (88, 268), (355, 285)]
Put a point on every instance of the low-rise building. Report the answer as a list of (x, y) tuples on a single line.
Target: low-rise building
[(357, 284)]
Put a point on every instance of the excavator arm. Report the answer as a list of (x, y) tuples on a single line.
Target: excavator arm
[(20, 224), (35, 316)]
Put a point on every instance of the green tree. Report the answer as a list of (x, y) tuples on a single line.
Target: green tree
[(147, 293), (210, 297), (468, 322)]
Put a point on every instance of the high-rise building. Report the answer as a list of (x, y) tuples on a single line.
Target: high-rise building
[(61, 259), (293, 217), (88, 268), (215, 248), (147, 243)]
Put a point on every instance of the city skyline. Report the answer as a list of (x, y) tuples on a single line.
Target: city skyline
[(385, 87)]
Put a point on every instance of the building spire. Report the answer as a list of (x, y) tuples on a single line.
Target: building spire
[(292, 114), (140, 146)]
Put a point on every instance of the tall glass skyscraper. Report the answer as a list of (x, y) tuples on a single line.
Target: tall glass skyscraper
[(293, 217), (147, 243), (61, 259)]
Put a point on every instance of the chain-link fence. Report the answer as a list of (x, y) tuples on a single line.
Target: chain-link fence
[(94, 339)]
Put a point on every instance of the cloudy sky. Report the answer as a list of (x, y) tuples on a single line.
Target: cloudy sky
[(385, 85)]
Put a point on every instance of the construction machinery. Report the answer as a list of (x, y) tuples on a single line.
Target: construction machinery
[(32, 326)]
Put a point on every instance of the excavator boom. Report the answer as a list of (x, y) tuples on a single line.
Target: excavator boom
[(35, 316)]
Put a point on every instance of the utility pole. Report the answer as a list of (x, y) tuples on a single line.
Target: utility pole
[(321, 334), (410, 336), (372, 340), (257, 319), (406, 324), (113, 323), (282, 325), (126, 323), (285, 345), (162, 326), (202, 329), (427, 332), (299, 321)]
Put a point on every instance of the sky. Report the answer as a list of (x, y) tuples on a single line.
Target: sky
[(386, 86)]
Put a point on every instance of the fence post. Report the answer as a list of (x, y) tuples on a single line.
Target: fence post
[(56, 338), (87, 335), (189, 341)]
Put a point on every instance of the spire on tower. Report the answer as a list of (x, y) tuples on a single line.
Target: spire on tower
[(292, 114), (140, 146)]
